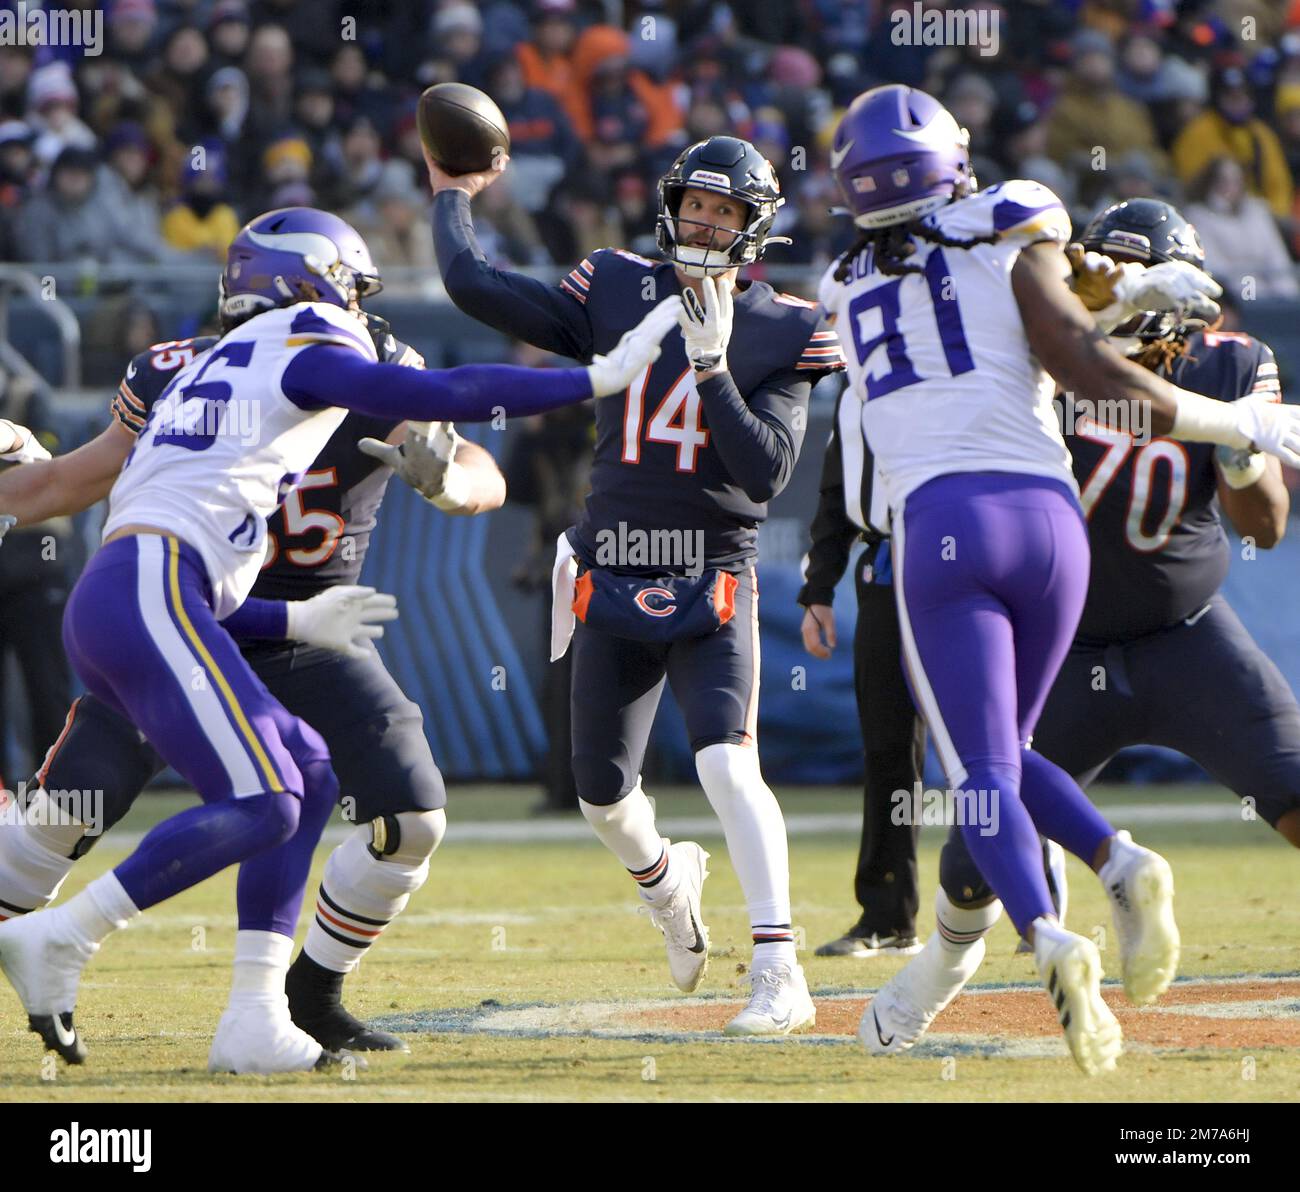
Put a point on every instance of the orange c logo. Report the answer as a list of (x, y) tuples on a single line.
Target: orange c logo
[(656, 602)]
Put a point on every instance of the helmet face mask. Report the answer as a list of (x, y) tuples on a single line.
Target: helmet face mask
[(726, 166), (295, 254), (1146, 232)]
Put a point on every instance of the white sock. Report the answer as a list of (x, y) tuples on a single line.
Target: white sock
[(261, 962), (627, 829), (99, 910), (755, 831), (30, 871), (360, 894), (959, 927)]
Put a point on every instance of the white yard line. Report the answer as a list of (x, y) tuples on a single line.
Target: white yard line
[(565, 831)]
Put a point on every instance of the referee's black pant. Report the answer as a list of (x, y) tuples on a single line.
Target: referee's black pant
[(893, 737)]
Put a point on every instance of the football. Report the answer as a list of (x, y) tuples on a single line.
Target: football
[(463, 130)]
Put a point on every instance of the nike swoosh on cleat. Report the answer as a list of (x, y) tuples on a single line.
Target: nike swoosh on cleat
[(783, 1024), (699, 939), (879, 1034)]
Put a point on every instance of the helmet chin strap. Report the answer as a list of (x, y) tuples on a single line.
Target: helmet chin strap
[(695, 262)]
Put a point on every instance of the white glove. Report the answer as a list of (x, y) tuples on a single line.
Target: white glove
[(345, 619), (426, 460), (706, 326), (20, 445), (7, 523), (1268, 426), (1173, 286), (638, 348), (1241, 467)]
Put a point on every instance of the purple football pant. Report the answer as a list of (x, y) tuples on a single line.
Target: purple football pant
[(140, 632), (991, 576)]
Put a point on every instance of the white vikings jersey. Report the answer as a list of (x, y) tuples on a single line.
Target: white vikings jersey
[(224, 446), (939, 359)]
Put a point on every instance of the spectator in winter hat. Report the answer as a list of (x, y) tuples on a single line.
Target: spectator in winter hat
[(1230, 127), (228, 31), (52, 111), (202, 223), (1091, 112), (131, 28)]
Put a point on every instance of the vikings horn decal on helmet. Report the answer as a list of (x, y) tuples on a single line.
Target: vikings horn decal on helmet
[(898, 154), (295, 254), (1151, 232), (729, 166)]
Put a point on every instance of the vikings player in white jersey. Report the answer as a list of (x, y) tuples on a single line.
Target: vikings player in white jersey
[(183, 544), (956, 315)]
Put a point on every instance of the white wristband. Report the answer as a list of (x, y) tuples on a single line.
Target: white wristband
[(1241, 468), (457, 489), (1204, 420)]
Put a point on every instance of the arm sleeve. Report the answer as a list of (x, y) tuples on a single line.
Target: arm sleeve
[(331, 375), (833, 534), (518, 306), (258, 618), (757, 441)]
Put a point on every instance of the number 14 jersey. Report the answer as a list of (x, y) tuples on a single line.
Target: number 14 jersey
[(939, 359)]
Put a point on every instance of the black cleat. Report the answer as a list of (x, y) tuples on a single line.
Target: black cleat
[(866, 944), (329, 1060), (59, 1035), (316, 1006)]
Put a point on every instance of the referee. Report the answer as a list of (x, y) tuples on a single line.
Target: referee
[(852, 508)]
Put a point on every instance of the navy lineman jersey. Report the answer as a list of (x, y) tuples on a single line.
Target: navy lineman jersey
[(1159, 551), (319, 535), (668, 452)]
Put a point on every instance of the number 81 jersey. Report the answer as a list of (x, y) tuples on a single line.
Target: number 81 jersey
[(219, 446), (938, 357)]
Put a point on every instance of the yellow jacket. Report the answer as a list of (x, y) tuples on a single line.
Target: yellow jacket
[(184, 230), (1253, 145)]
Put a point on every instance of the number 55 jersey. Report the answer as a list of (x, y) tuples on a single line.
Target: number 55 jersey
[(319, 535), (938, 356)]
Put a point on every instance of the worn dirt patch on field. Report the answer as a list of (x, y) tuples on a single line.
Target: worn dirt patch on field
[(1236, 1013)]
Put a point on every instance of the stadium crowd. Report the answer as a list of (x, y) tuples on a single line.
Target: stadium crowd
[(200, 113)]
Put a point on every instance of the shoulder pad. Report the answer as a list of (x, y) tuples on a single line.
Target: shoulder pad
[(323, 323), (1019, 210)]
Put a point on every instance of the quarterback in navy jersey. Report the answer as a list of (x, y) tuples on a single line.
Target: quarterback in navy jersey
[(317, 542), (656, 580), (1160, 657)]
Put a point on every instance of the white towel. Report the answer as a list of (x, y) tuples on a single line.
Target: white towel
[(562, 580)]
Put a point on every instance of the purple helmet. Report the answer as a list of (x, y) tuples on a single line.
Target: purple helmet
[(898, 154), (295, 254)]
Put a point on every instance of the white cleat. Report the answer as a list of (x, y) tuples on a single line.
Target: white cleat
[(44, 968), (260, 1037), (903, 1009), (1140, 886), (1070, 966), (778, 1003), (680, 917)]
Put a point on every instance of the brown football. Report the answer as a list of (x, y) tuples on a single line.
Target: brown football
[(463, 130)]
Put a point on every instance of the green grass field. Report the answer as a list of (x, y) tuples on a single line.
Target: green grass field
[(555, 923)]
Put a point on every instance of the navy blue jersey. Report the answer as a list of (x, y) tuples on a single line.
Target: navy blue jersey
[(1159, 551), (318, 537), (656, 463)]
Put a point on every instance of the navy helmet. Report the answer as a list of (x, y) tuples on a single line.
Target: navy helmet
[(728, 166)]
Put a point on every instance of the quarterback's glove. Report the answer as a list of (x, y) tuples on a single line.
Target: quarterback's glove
[(345, 619), (19, 445), (1094, 277), (426, 460), (639, 347), (7, 523), (1240, 466), (706, 326)]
